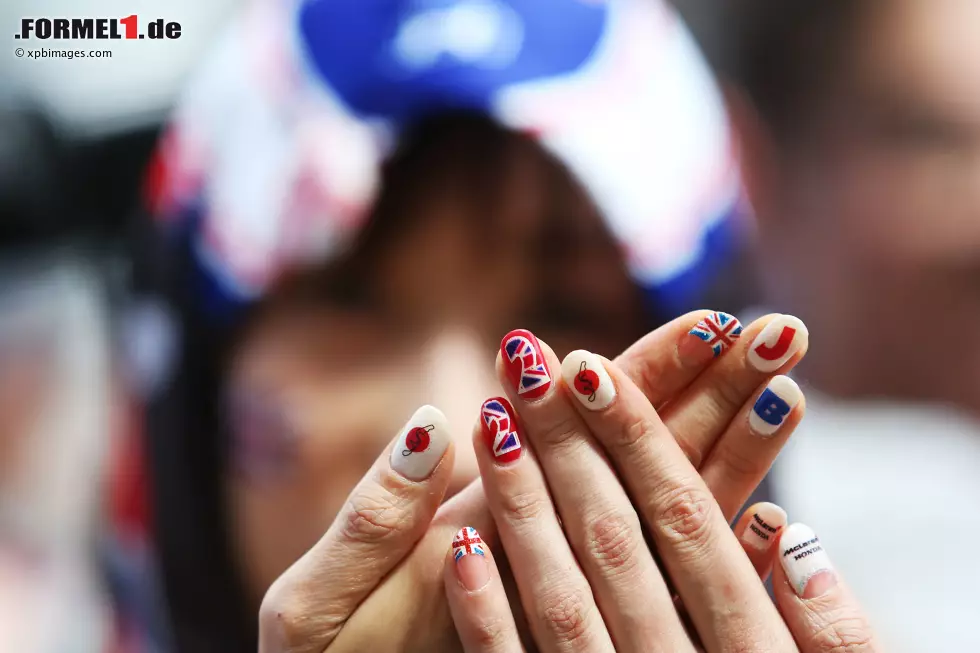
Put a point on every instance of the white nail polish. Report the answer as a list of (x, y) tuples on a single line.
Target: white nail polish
[(587, 379), (774, 405), (782, 338), (802, 556), (765, 520), (421, 444)]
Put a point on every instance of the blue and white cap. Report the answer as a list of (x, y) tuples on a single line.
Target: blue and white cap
[(274, 154)]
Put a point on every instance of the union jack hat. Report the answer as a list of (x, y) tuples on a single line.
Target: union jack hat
[(274, 154)]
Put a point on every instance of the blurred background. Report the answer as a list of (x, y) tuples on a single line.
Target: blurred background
[(199, 236)]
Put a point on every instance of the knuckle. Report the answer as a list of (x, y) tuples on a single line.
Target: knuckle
[(634, 431), (565, 614), (524, 507), (561, 432), (491, 635), (288, 625), (683, 516), (742, 466), (728, 398), (373, 517), (692, 452), (842, 635), (613, 541)]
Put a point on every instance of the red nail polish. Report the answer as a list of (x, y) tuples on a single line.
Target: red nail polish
[(525, 364), (500, 430)]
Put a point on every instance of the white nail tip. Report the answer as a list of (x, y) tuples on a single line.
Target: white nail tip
[(782, 338), (421, 444), (587, 379), (765, 520), (802, 556), (774, 405)]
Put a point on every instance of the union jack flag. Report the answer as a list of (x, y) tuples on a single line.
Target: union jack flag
[(720, 330), (498, 420), (467, 542), (534, 374)]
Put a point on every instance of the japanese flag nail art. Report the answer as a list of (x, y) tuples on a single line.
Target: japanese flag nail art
[(587, 379), (421, 444)]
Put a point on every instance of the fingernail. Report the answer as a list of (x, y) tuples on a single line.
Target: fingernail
[(774, 405), (421, 444), (719, 330), (500, 430), (779, 341), (765, 521), (525, 364), (472, 568), (586, 377), (806, 563)]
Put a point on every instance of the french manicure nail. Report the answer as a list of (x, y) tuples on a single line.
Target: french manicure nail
[(472, 569), (718, 330), (782, 338), (525, 364), (421, 444), (765, 521), (774, 405), (587, 378), (500, 430), (807, 565)]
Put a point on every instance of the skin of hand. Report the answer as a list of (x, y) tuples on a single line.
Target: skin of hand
[(301, 613)]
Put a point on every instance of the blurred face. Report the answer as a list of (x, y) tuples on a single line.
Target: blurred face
[(322, 390), (878, 209)]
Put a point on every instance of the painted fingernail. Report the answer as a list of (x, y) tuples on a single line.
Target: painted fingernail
[(718, 330), (779, 341), (525, 364), (422, 443), (500, 430), (806, 563), (472, 568), (586, 377), (765, 521), (774, 405)]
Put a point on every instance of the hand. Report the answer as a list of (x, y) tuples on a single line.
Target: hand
[(334, 596), (587, 579)]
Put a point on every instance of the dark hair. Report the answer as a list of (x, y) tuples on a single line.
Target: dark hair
[(187, 434), (782, 54)]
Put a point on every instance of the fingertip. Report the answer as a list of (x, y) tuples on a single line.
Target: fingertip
[(421, 445)]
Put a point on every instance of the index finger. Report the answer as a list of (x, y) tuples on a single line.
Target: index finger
[(385, 515), (668, 359)]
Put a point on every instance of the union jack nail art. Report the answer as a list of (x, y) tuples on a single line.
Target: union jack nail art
[(421, 444), (467, 542), (779, 341), (586, 377), (719, 330), (525, 364), (774, 405), (500, 430)]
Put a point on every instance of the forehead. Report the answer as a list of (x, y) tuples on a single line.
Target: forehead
[(926, 50)]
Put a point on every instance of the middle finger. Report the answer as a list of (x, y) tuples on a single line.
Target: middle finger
[(598, 519)]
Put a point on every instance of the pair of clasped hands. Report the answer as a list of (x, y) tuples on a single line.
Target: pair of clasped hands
[(601, 521)]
